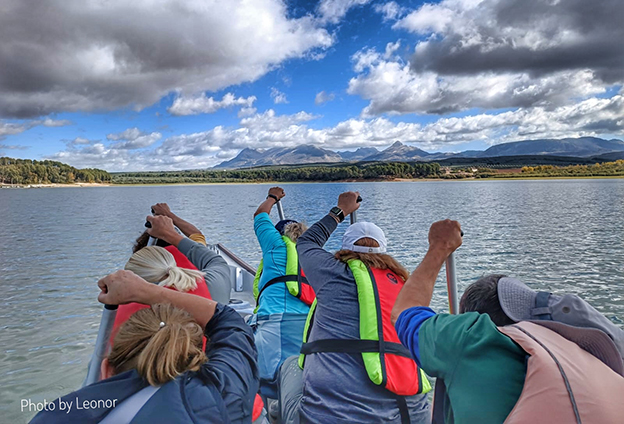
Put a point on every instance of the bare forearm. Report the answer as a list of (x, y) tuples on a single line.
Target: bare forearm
[(201, 309), (418, 289), (186, 227), (173, 238), (265, 207)]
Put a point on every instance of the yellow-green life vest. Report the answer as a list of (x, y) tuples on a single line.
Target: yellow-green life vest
[(388, 363), (296, 282)]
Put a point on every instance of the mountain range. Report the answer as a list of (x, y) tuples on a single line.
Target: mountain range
[(399, 152)]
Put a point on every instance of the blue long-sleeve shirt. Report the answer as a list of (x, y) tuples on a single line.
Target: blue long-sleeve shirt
[(275, 299), (408, 328)]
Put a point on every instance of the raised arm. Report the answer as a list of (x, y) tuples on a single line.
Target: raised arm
[(315, 260), (123, 287), (444, 239), (274, 196), (186, 227), (215, 267)]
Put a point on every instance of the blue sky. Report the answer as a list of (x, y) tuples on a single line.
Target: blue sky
[(163, 85)]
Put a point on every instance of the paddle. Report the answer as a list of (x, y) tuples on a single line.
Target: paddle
[(353, 215), (101, 344), (280, 210), (451, 283), (152, 241)]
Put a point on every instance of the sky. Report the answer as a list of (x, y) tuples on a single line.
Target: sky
[(187, 84)]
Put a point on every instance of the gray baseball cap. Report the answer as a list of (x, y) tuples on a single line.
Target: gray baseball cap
[(568, 315)]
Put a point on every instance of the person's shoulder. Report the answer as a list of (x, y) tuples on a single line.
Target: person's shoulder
[(461, 325), (262, 216)]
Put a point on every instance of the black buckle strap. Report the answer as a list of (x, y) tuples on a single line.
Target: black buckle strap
[(354, 346), (282, 279)]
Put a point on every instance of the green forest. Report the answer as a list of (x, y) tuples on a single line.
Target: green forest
[(376, 171), (26, 171), (607, 169)]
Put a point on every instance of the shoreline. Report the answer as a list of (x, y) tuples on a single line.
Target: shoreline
[(395, 180), (53, 185)]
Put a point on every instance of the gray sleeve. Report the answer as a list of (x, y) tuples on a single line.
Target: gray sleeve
[(216, 268), (318, 264)]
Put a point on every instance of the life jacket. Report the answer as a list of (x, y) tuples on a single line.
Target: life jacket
[(126, 311), (564, 383), (258, 407), (295, 279), (388, 363)]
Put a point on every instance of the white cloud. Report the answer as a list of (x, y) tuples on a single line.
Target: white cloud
[(591, 117), (323, 97), (81, 141), (9, 128), (278, 97), (494, 54), (12, 128), (12, 147), (246, 111), (131, 54), (202, 104), (391, 49), (390, 10), (131, 139), (334, 10), (393, 87), (269, 121)]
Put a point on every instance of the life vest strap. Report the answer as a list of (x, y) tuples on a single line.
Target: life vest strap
[(354, 346), (282, 279)]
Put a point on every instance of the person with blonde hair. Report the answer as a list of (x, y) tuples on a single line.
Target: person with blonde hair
[(156, 265), (354, 368), (281, 290), (194, 255), (176, 266), (157, 370)]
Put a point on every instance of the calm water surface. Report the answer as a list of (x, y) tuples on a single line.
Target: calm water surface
[(561, 236)]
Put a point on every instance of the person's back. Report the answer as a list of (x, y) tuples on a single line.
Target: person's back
[(483, 370), (337, 386), (157, 371), (283, 297), (480, 357)]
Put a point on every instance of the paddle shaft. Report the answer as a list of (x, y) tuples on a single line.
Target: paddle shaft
[(101, 344), (451, 285), (353, 215), (280, 210)]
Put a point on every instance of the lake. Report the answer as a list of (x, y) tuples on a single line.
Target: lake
[(556, 235)]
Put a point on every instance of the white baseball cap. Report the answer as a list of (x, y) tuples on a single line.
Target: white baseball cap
[(361, 230)]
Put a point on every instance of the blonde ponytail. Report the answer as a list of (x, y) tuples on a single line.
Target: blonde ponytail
[(156, 265), (161, 343)]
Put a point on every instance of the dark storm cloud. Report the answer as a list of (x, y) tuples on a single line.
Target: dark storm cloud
[(61, 55), (538, 37)]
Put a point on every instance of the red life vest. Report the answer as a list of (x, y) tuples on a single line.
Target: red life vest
[(125, 311), (388, 363), (258, 406)]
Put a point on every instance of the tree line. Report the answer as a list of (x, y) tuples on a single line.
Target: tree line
[(371, 171), (26, 171), (606, 169)]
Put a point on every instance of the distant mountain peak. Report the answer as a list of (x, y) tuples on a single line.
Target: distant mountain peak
[(399, 152)]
